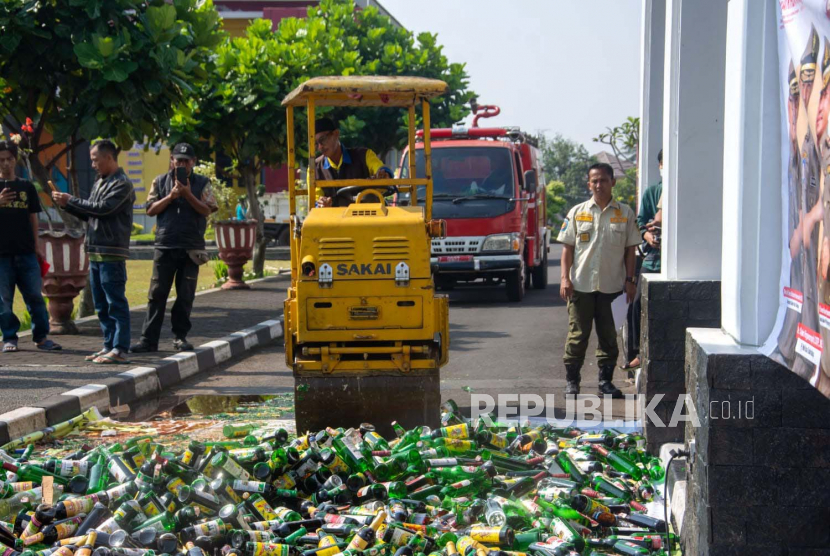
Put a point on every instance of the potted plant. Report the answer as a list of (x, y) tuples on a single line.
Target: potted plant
[(234, 238)]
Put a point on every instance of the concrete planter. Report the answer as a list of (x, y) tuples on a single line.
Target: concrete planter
[(67, 276), (235, 239)]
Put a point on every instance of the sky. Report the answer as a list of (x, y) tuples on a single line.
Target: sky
[(553, 66)]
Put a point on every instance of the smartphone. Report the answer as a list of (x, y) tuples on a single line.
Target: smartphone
[(181, 175)]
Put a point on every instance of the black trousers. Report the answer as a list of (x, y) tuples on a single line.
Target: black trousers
[(170, 266)]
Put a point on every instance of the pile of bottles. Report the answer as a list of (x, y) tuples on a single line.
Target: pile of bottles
[(469, 488)]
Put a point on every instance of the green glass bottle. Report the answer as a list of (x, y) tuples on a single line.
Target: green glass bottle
[(225, 463), (237, 431), (618, 461), (350, 453), (33, 473)]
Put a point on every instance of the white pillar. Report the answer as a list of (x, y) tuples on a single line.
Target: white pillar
[(751, 173), (651, 91), (693, 139)]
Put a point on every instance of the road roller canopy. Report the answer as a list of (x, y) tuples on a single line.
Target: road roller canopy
[(370, 90)]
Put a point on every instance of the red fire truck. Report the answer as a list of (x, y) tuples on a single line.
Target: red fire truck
[(489, 187)]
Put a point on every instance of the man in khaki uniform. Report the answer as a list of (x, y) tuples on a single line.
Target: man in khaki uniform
[(598, 262)]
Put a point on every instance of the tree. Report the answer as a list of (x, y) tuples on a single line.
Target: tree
[(83, 69), (239, 108), (555, 201), (625, 190), (342, 41), (566, 161), (624, 140)]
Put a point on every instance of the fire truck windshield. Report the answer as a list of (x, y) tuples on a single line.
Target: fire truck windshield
[(468, 182)]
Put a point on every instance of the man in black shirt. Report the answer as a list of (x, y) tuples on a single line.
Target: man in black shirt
[(20, 254), (181, 211)]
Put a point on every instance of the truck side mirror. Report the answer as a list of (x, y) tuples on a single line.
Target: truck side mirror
[(530, 181)]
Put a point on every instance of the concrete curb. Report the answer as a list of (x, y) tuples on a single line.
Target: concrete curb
[(172, 299), (136, 383)]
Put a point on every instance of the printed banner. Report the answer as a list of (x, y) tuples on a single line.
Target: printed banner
[(802, 328)]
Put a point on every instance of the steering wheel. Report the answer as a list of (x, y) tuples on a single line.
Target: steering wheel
[(349, 193)]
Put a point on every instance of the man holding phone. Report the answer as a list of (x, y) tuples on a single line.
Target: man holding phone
[(20, 252), (181, 202)]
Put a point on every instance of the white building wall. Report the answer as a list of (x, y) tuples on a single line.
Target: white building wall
[(652, 45), (693, 136), (751, 173)]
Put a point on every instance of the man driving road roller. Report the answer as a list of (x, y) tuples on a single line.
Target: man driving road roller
[(336, 162)]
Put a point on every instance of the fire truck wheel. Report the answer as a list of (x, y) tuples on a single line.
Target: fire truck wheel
[(516, 284), (540, 274)]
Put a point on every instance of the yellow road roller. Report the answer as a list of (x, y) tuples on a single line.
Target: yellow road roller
[(365, 332)]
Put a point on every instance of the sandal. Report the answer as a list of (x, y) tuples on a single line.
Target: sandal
[(10, 346), (96, 355), (111, 359), (49, 345)]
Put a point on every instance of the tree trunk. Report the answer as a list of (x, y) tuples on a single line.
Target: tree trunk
[(41, 175), (249, 177), (86, 308)]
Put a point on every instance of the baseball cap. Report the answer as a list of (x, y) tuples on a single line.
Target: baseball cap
[(184, 150)]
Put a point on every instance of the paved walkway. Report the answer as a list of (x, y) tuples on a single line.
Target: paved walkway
[(31, 375)]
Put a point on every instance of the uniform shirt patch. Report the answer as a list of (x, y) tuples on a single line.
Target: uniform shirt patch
[(585, 237), (584, 217)]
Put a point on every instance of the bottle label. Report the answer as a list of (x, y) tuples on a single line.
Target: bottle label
[(356, 453), (110, 526), (117, 469), (232, 494), (561, 530), (328, 551), (264, 508), (442, 462), (210, 528), (469, 469), (307, 468), (235, 470), (269, 549), (337, 465), (187, 456), (259, 536), (358, 543), (284, 481), (62, 551), (66, 528), (283, 513), (457, 446), (175, 485), (70, 468), (400, 537), (334, 519), (22, 486), (77, 506), (457, 431), (119, 491), (497, 441), (151, 509), (532, 506), (465, 543), (489, 535), (138, 459), (462, 484)]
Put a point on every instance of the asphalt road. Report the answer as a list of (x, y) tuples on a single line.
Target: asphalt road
[(497, 348)]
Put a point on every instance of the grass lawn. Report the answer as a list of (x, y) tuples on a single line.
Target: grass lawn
[(138, 282)]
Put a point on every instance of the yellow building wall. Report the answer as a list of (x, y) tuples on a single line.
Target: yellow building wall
[(141, 167), (236, 27)]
